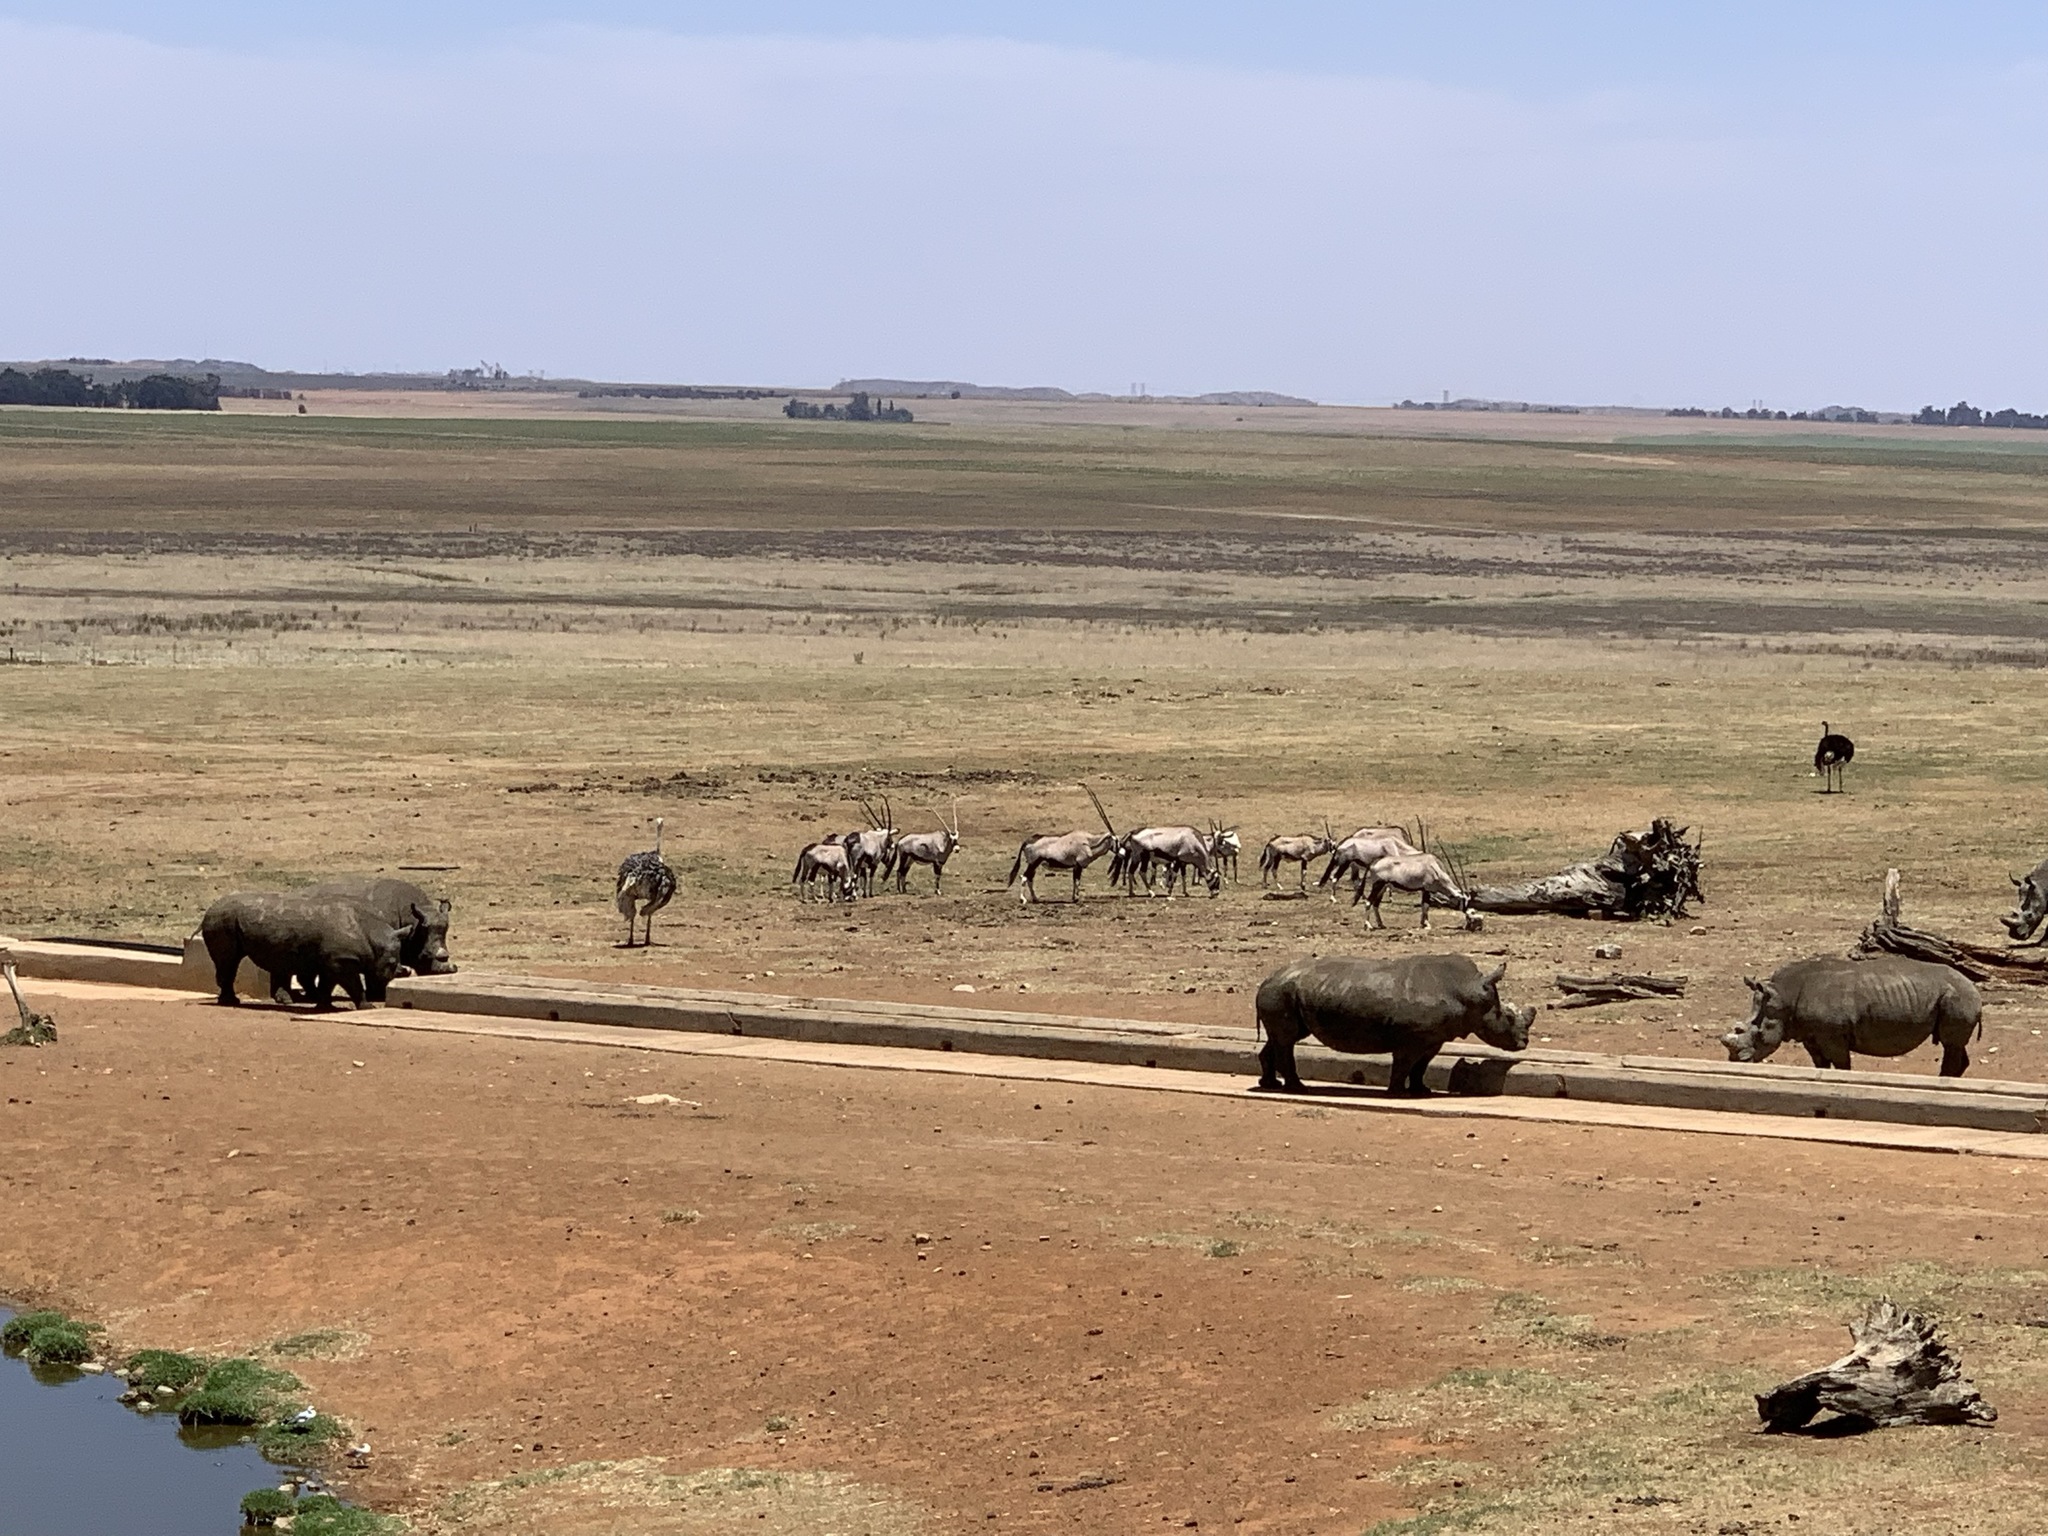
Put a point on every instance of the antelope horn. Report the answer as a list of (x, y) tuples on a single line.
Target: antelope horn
[(1106, 822), (888, 813), (956, 817)]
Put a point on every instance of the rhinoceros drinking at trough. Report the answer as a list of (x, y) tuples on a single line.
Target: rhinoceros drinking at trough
[(1411, 1007), (420, 920), (327, 941), (1883, 1006)]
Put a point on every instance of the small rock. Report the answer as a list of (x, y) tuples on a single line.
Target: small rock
[(1696, 930), (963, 987), (655, 1098), (94, 1368), (1606, 951), (920, 1238), (165, 1392)]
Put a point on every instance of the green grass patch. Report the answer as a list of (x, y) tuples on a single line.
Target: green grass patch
[(64, 1343), (240, 1392), (321, 1514), (153, 1368), (292, 1437), (49, 1338), (15, 1335), (266, 1506)]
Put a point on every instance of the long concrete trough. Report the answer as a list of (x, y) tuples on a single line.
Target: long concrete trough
[(1662, 1081)]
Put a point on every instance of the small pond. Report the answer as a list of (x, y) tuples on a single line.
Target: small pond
[(75, 1462)]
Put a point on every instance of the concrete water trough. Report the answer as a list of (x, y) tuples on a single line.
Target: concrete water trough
[(1659, 1081)]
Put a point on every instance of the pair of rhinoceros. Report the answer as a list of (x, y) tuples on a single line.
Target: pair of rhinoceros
[(356, 934), (1413, 1006)]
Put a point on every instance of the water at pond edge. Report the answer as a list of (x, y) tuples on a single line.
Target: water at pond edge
[(75, 1462)]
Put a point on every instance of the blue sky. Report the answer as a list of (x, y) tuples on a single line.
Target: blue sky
[(1802, 204)]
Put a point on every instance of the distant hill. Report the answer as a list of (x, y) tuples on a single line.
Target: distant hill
[(952, 389)]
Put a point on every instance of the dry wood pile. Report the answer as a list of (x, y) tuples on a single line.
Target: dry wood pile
[(1647, 874), (1891, 934), (1900, 1372), (1615, 987)]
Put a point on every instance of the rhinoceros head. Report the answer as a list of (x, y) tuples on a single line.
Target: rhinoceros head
[(1763, 1032), (427, 948), (2033, 899), (1505, 1026)]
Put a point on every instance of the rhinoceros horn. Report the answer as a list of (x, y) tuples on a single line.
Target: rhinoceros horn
[(1492, 977)]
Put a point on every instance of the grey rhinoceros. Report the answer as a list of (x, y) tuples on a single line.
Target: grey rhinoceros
[(329, 941), (420, 920), (1883, 1006), (2033, 899), (1411, 1007)]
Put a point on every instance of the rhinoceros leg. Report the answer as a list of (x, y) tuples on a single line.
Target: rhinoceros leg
[(1955, 1060), (1828, 1053), (1406, 1075), (1277, 1071)]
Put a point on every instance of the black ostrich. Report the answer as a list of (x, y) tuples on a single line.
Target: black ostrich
[(646, 883), (1834, 751)]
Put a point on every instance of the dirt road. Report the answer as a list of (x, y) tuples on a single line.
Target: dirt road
[(553, 1307)]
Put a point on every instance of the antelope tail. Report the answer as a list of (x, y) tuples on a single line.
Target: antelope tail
[(1017, 865)]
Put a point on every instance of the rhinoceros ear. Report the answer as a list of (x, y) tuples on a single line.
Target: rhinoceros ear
[(1492, 977), (2016, 880), (1754, 985)]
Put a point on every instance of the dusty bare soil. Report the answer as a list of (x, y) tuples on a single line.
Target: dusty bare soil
[(557, 1309)]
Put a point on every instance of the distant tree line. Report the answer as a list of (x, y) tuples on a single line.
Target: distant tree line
[(1757, 413), (859, 408), (156, 392), (1964, 414)]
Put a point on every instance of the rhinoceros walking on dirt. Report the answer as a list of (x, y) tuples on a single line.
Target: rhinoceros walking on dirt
[(2033, 899), (1412, 1007), (1884, 1006), (328, 940)]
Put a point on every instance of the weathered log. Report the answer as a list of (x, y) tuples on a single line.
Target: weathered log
[(1900, 1372), (1616, 987), (34, 1028), (1891, 934), (1647, 874)]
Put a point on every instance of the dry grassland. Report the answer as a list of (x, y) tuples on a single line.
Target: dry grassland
[(254, 650)]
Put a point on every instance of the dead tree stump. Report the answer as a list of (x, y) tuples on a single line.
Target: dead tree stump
[(1891, 934), (34, 1028), (1900, 1372)]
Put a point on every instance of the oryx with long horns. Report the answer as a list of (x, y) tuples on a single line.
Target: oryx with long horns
[(1357, 853), (1070, 851), (874, 850), (932, 848)]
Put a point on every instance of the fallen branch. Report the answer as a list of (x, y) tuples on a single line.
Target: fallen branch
[(1890, 934), (1647, 874), (1616, 987), (1900, 1372)]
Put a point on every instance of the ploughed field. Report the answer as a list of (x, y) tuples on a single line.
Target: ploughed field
[(253, 651)]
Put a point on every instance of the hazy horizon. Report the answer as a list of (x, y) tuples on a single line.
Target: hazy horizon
[(1355, 204)]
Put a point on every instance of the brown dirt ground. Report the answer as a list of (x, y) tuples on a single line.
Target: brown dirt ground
[(578, 1314)]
